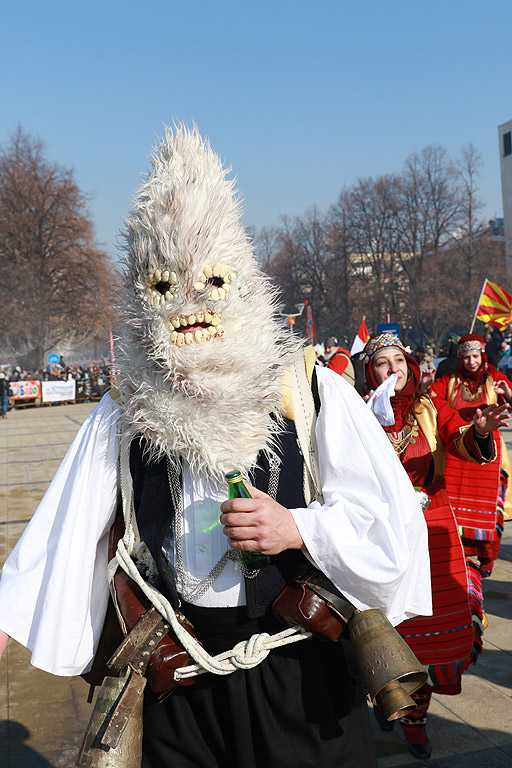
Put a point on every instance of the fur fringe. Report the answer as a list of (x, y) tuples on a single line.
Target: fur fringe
[(215, 404)]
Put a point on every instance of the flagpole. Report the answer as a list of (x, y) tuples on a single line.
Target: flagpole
[(476, 310), (112, 350)]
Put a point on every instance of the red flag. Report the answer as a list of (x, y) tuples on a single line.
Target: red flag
[(361, 338), (495, 306)]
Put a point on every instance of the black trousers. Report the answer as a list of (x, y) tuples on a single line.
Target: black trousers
[(303, 706)]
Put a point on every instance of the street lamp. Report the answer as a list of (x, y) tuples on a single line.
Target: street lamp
[(291, 317)]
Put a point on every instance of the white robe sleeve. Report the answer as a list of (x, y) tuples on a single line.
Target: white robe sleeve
[(370, 536), (54, 590)]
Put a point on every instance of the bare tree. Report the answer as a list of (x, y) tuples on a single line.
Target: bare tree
[(408, 245), (266, 244), (55, 282), (429, 214), (469, 165), (309, 264)]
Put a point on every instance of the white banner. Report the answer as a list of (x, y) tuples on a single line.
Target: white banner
[(57, 391)]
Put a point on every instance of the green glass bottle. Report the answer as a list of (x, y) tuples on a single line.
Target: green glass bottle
[(237, 490)]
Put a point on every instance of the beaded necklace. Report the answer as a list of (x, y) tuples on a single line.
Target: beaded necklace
[(400, 440), (466, 393)]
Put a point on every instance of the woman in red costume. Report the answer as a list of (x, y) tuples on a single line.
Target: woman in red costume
[(476, 493), (421, 435)]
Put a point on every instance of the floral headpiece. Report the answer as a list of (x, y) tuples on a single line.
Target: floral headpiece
[(379, 342)]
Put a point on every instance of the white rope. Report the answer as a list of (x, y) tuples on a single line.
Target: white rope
[(253, 651), (131, 530), (244, 655)]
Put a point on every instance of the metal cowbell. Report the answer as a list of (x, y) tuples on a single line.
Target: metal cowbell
[(390, 669), (127, 752)]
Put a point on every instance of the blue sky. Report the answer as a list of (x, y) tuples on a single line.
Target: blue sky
[(301, 98)]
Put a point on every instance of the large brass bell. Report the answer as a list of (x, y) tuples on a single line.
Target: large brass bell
[(390, 669), (94, 753), (113, 738)]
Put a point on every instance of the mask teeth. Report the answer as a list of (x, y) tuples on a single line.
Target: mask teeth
[(183, 338), (167, 277), (200, 285)]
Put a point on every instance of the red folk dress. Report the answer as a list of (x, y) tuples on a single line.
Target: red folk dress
[(447, 641), (476, 493)]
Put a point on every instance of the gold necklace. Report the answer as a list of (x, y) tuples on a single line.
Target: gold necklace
[(466, 392), (400, 440)]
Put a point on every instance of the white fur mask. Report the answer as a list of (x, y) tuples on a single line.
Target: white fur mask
[(201, 356)]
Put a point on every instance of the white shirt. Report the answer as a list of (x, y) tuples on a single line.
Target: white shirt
[(369, 536), (204, 543)]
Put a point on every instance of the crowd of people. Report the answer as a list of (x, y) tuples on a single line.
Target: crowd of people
[(92, 381), (352, 470)]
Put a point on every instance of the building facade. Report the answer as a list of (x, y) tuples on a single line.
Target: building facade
[(505, 143)]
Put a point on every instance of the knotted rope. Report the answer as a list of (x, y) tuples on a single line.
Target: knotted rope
[(244, 655)]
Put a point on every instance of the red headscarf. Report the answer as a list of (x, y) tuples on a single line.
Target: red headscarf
[(403, 401), (473, 379)]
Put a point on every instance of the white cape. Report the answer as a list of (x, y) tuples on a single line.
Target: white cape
[(369, 536), (53, 590)]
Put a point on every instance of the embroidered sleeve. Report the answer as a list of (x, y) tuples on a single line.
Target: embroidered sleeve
[(480, 450)]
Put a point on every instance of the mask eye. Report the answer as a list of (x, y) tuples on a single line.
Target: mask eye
[(162, 287), (218, 282)]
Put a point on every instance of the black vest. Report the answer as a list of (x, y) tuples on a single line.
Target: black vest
[(155, 516)]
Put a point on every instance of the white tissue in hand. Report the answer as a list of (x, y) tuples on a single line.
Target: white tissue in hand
[(424, 500), (380, 402)]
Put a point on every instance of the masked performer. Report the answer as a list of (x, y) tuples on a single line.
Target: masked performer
[(477, 493), (422, 434), (200, 393)]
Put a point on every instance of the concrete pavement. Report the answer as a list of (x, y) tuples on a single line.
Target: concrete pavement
[(42, 717)]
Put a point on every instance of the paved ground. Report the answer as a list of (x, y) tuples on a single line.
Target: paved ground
[(42, 717)]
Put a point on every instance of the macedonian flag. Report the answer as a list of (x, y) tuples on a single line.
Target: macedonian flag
[(495, 306)]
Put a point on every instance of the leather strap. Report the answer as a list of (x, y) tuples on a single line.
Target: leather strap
[(130, 696), (323, 587), (140, 642), (305, 425)]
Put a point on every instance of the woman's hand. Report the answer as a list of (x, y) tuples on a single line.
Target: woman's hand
[(368, 395), (491, 418), (427, 379), (502, 388)]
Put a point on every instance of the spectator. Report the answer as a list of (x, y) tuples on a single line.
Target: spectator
[(505, 363), (493, 345), (451, 361), (4, 394), (338, 359), (320, 354)]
